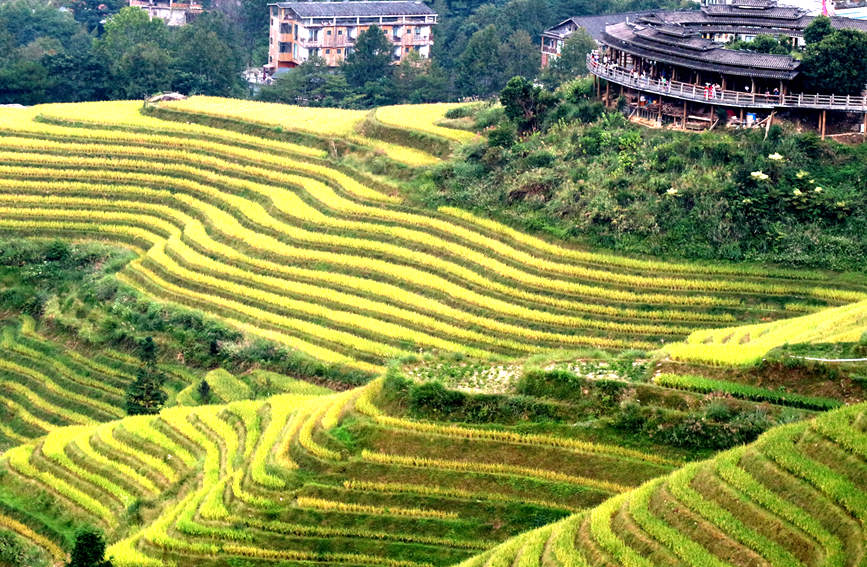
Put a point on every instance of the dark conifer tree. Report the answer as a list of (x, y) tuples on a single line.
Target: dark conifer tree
[(146, 395)]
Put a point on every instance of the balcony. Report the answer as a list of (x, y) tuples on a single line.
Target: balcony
[(329, 41), (738, 99), (411, 39)]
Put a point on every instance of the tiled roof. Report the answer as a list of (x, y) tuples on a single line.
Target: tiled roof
[(356, 9), (759, 21), (595, 25), (698, 53), (780, 13)]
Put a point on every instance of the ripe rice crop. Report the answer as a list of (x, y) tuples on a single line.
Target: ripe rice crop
[(331, 121), (283, 244), (423, 117), (337, 122), (747, 344)]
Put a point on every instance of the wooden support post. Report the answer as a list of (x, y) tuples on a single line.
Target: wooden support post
[(683, 123), (753, 86), (724, 83), (742, 116), (659, 116), (824, 119), (768, 125), (865, 126), (606, 93)]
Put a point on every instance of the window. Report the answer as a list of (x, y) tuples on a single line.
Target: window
[(418, 30), (328, 32), (285, 47), (339, 51), (296, 31), (327, 52), (339, 32), (285, 28)]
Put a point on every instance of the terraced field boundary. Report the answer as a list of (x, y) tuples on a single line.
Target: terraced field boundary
[(270, 480), (795, 497), (435, 145)]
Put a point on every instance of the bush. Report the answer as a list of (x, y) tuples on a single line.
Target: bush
[(461, 111), (16, 551), (489, 116), (503, 136)]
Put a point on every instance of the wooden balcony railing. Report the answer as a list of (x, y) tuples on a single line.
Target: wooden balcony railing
[(690, 91)]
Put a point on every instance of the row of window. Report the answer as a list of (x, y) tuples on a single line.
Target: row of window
[(289, 47), (286, 28)]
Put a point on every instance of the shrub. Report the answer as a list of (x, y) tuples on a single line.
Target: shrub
[(461, 111), (503, 136)]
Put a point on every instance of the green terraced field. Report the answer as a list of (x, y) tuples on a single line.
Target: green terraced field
[(275, 480), (270, 231), (796, 497), (46, 385), (285, 245)]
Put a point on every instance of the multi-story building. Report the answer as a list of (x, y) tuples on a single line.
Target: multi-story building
[(720, 21), (675, 66), (171, 12), (300, 30)]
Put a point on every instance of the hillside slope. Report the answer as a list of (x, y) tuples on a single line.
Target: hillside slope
[(795, 497), (329, 478), (748, 343), (286, 244)]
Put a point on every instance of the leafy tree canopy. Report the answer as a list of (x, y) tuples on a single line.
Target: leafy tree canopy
[(526, 104), (89, 549), (210, 37), (145, 395), (818, 30), (572, 61), (370, 59), (836, 63), (312, 83), (764, 43)]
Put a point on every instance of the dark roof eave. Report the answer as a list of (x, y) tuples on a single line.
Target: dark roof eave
[(741, 71)]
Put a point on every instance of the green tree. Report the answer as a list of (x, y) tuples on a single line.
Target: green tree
[(521, 57), (836, 64), (77, 74), (211, 38), (89, 549), (418, 80), (370, 59), (136, 48), (145, 395), (819, 29), (763, 43), (526, 104), (572, 61), (204, 391), (253, 21), (312, 83), (28, 20), (479, 69), (92, 13), (23, 82)]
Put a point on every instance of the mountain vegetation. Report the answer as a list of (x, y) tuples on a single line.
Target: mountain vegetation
[(247, 333), (567, 166)]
